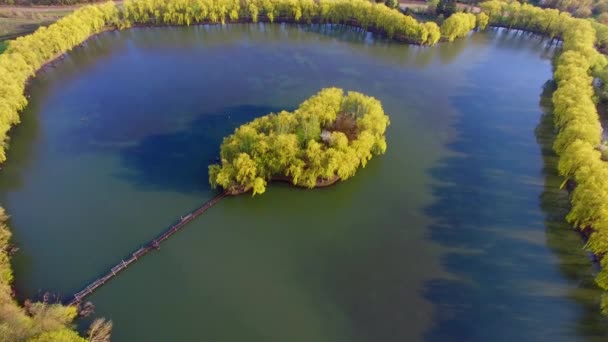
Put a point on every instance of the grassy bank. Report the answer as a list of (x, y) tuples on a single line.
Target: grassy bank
[(17, 21), (26, 55), (577, 122)]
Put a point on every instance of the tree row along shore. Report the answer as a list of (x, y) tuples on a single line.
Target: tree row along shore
[(579, 133), (576, 116)]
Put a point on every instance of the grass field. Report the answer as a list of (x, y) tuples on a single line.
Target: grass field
[(16, 21)]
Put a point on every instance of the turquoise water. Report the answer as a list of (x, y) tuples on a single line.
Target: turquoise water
[(455, 234)]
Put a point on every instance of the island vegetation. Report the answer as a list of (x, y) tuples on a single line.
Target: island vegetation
[(24, 56), (327, 138), (331, 134)]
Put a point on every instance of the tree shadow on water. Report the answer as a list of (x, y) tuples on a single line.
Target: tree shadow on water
[(575, 264), (517, 270), (178, 161)]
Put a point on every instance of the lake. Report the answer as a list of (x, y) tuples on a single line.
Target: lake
[(456, 234)]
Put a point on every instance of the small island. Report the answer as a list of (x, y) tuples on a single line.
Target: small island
[(326, 139)]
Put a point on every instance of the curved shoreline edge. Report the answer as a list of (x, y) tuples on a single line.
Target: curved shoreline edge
[(576, 119), (321, 183), (577, 42), (331, 134)]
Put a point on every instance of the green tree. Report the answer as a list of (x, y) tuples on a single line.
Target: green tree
[(392, 3), (482, 21), (446, 7), (458, 25), (578, 141), (327, 137)]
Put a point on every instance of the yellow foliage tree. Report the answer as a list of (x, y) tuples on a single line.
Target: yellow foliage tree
[(576, 117), (329, 136), (457, 25)]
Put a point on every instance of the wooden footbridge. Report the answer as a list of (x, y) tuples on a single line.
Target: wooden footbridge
[(152, 245)]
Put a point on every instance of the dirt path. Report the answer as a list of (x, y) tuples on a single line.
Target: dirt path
[(43, 9), (16, 21), (413, 4)]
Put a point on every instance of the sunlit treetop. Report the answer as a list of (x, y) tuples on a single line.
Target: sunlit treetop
[(327, 138)]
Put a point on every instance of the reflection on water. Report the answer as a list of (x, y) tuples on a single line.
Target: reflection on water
[(574, 262), (499, 207), (453, 235), (184, 168)]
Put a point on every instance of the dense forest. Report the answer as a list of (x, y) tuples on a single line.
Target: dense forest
[(334, 141), (328, 137)]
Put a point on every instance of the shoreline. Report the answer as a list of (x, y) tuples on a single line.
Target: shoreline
[(261, 19), (321, 183)]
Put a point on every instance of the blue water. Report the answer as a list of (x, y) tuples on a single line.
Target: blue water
[(456, 234)]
